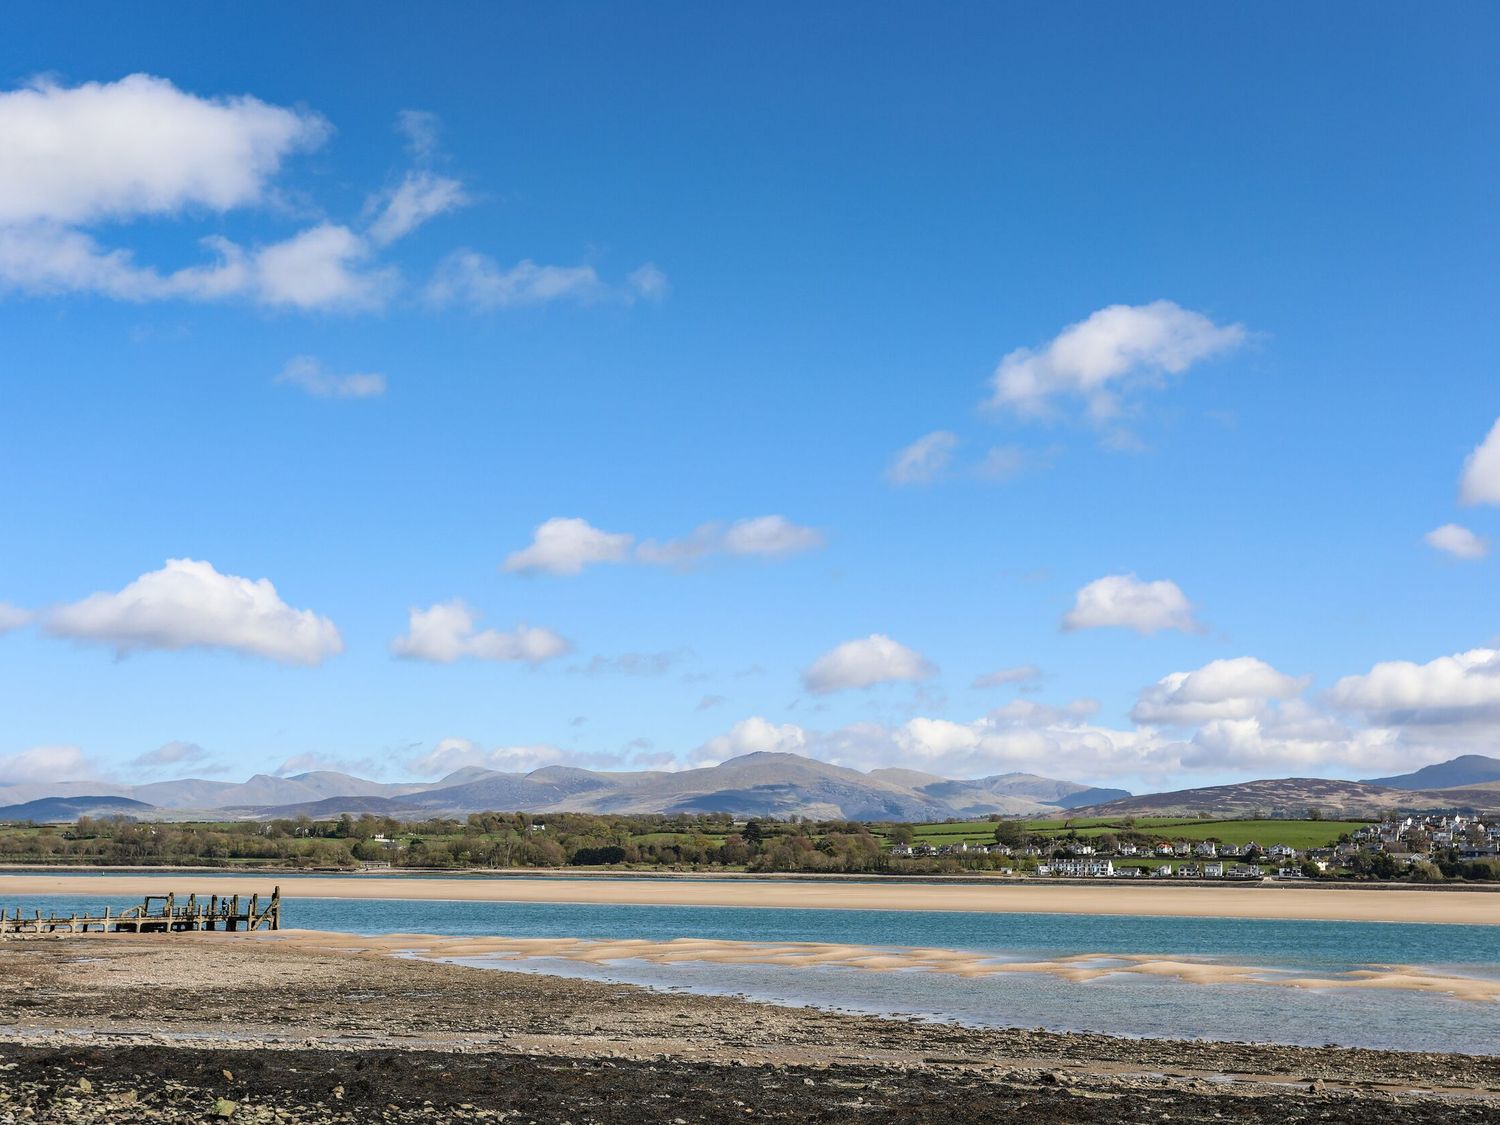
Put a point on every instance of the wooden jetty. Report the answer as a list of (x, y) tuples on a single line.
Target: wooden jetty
[(158, 914)]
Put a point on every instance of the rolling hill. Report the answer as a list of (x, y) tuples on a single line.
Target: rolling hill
[(1456, 773), (1294, 796)]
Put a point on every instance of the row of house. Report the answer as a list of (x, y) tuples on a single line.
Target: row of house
[(1106, 869)]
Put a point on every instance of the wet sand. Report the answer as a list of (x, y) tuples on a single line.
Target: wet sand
[(167, 1028), (1266, 901), (1076, 968)]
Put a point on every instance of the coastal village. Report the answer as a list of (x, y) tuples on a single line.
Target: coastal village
[(1391, 848)]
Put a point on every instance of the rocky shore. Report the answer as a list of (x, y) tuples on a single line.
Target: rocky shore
[(193, 1028)]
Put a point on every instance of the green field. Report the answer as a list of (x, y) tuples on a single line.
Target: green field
[(1294, 833)]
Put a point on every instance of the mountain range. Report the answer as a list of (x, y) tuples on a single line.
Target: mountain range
[(762, 784)]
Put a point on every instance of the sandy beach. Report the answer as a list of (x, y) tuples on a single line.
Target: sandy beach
[(1077, 968), (1267, 901), (170, 1028)]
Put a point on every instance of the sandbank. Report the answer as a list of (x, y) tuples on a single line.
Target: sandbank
[(1262, 901)]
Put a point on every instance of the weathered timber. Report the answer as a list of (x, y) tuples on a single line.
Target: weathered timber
[(157, 914)]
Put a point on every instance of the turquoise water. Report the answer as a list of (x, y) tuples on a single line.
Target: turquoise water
[(1124, 1004)]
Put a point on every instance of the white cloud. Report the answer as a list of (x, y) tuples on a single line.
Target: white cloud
[(45, 764), (138, 146), (770, 535), (189, 604), (1457, 541), (1481, 479), (12, 617), (1114, 349), (460, 753), (418, 197), (307, 373), (320, 268), (477, 282), (754, 735), (1257, 745), (1124, 601), (1236, 688), (565, 545), (1457, 689), (1022, 736), (765, 536), (1020, 674), (170, 755), (446, 632), (924, 460), (875, 659)]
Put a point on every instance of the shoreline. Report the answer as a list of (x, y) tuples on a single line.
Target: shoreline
[(1076, 968), (1260, 902), (321, 1036)]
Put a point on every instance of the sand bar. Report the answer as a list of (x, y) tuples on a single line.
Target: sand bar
[(1152, 900), (1077, 969)]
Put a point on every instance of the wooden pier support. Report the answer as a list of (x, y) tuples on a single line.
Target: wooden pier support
[(148, 918)]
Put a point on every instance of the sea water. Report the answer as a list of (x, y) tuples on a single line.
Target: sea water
[(1123, 1004)]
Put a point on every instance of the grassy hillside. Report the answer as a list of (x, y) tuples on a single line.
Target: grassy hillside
[(1295, 833)]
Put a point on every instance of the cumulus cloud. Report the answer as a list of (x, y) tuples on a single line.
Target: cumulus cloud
[(1457, 689), (318, 268), (306, 373), (875, 659), (189, 604), (12, 617), (1001, 677), (446, 632), (420, 196), (1124, 601), (924, 460), (565, 545), (452, 754), (1457, 541), (1103, 356), (139, 146), (74, 158), (754, 735), (78, 156), (770, 535), (1480, 483), (1236, 688), (1022, 736), (45, 764)]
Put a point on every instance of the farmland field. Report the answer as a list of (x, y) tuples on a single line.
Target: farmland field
[(1295, 833)]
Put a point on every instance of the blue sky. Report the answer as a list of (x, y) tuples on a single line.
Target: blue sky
[(1192, 312)]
